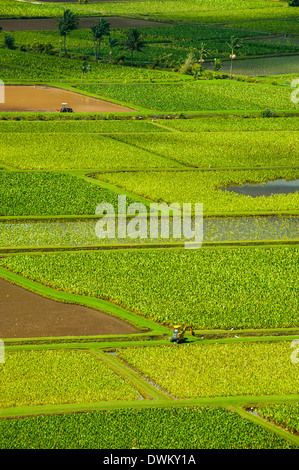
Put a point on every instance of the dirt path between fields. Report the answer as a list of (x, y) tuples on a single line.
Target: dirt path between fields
[(24, 314), (50, 24)]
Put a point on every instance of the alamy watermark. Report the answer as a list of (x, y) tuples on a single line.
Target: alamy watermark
[(295, 353), (163, 221), (2, 355), (2, 92), (294, 97)]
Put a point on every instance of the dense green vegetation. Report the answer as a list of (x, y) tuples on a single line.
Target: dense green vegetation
[(211, 149), (208, 288), (231, 125), (93, 151), (199, 11), (11, 9), (30, 145), (90, 127), (217, 369), (202, 95), (55, 377), (283, 26), (282, 415), (207, 187), (172, 43), (153, 428), (19, 66), (43, 193)]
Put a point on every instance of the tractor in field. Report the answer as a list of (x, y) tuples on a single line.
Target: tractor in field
[(179, 332), (65, 109)]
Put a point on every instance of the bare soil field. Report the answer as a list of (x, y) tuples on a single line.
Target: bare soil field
[(50, 24), (24, 314), (21, 98)]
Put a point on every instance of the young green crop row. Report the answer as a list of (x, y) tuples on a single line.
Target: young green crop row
[(220, 124), (208, 124), (202, 95), (46, 377), (215, 370), (83, 232), (47, 151), (124, 150), (207, 288), (97, 127), (17, 65), (279, 25), (151, 428), (207, 187), (43, 193), (13, 9), (286, 416), (229, 149), (191, 32), (198, 11)]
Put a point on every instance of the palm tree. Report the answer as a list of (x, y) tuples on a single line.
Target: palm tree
[(67, 23), (233, 45), (99, 30), (133, 42)]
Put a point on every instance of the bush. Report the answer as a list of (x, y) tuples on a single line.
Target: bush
[(9, 41), (267, 113), (293, 3)]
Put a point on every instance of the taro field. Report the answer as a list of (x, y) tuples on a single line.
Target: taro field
[(149, 257)]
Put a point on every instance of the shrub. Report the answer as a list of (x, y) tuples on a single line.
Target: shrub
[(9, 41)]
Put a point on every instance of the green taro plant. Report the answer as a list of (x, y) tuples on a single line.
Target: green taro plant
[(199, 428)]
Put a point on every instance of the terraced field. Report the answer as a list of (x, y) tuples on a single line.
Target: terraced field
[(94, 270)]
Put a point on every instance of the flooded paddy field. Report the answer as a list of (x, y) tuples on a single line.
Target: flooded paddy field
[(261, 67), (83, 232), (280, 186)]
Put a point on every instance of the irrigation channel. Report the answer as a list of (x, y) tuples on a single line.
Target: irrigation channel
[(280, 186), (27, 234)]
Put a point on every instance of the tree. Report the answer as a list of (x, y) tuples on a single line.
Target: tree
[(187, 66), (217, 65), (293, 3), (132, 42), (202, 52), (9, 41), (99, 30), (233, 45), (67, 23)]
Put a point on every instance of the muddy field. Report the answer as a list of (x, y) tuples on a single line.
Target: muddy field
[(50, 99), (24, 314), (50, 24)]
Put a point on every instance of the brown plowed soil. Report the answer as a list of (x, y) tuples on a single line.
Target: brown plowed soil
[(50, 24), (24, 314), (49, 99)]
